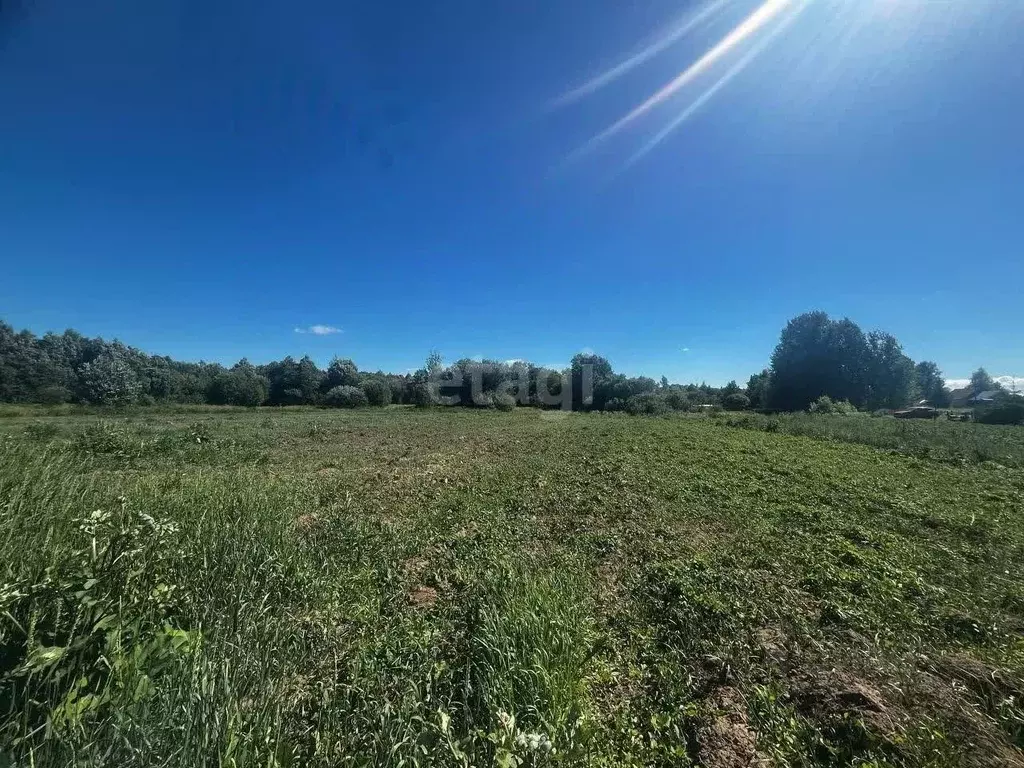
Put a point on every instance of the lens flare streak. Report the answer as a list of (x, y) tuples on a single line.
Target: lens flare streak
[(756, 21), (637, 59), (724, 80)]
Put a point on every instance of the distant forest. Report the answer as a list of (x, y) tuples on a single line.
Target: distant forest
[(817, 357)]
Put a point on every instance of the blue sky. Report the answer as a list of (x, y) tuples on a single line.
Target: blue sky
[(202, 179)]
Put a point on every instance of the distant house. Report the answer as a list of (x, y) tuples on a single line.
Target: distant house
[(964, 398), (988, 396), (960, 398)]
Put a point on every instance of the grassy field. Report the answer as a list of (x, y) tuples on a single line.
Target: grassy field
[(940, 440), (457, 588)]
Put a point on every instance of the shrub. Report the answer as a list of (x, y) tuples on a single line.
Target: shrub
[(109, 380), (377, 392), (736, 402), (648, 404), (826, 405), (240, 387), (503, 401), (677, 400), (291, 396), (346, 397), (615, 404), (54, 395), (1002, 413)]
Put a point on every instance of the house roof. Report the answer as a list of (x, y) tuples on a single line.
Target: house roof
[(989, 394)]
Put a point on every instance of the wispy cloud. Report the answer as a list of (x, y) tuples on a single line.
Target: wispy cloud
[(319, 330)]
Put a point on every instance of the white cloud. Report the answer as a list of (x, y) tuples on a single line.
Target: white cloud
[(319, 330), (1007, 381)]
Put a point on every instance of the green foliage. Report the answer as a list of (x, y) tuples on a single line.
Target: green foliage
[(960, 443), (109, 380), (346, 397), (677, 399), (242, 385), (341, 373), (981, 381), (377, 391), (54, 395), (819, 356), (757, 389), (825, 405), (891, 376), (931, 385), (648, 404), (736, 401), (503, 401), (1005, 412), (453, 587), (294, 382)]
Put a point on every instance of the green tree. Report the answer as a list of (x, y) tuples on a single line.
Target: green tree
[(346, 397), (377, 391), (757, 389), (892, 378), (109, 380), (735, 401), (930, 384), (341, 373), (242, 385), (982, 382)]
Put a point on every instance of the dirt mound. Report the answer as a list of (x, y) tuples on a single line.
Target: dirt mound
[(726, 740), (423, 596), (969, 694)]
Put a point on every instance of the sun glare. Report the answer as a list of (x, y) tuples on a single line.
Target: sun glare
[(843, 33)]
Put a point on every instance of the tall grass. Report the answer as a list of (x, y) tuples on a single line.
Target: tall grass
[(427, 588), (190, 619)]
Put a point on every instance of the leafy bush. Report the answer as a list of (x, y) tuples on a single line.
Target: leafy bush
[(503, 401), (615, 404), (736, 402), (647, 404), (109, 380), (677, 400), (54, 395), (377, 392), (1002, 413), (826, 405), (238, 387), (346, 397)]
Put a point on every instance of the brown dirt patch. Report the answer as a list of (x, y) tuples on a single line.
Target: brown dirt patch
[(307, 523), (423, 596), (726, 740), (848, 709), (415, 567)]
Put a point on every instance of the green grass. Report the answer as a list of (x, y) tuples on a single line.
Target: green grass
[(456, 588), (941, 440)]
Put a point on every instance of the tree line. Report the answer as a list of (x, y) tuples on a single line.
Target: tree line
[(816, 357)]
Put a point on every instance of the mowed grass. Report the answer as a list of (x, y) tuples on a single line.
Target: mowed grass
[(939, 439), (457, 588)]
